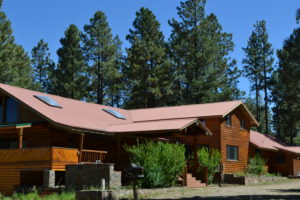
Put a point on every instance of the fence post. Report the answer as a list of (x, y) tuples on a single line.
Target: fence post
[(184, 176)]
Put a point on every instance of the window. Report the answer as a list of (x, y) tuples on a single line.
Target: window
[(280, 159), (203, 121), (8, 144), (242, 124), (114, 113), (47, 100), (232, 152), (228, 120), (11, 110)]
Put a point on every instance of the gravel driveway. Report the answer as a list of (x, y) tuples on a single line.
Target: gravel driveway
[(286, 190)]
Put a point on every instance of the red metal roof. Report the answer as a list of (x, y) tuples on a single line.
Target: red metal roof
[(175, 112), (268, 142), (162, 125), (91, 117)]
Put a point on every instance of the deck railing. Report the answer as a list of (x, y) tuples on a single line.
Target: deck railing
[(91, 156), (56, 157)]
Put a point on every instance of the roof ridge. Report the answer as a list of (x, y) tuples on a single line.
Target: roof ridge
[(55, 95), (189, 105)]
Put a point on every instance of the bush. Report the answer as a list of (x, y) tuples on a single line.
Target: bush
[(162, 162), (256, 165), (210, 159)]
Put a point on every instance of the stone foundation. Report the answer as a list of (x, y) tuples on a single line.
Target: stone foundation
[(84, 176), (250, 180), (48, 179)]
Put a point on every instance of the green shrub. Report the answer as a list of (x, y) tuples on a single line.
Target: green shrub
[(256, 165), (162, 162), (210, 159)]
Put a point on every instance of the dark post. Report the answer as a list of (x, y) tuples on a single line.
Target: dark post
[(81, 146), (134, 172)]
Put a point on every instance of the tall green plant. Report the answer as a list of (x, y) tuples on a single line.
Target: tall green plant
[(257, 165), (211, 160), (162, 162)]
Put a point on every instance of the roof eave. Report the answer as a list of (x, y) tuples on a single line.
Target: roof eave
[(254, 121)]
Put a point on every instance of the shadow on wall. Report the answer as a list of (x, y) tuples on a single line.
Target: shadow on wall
[(245, 197)]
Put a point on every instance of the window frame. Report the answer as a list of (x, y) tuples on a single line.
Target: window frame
[(242, 124), (228, 153), (280, 159), (11, 111), (228, 118)]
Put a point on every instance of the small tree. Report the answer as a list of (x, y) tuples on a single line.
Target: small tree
[(162, 162), (211, 160), (257, 165)]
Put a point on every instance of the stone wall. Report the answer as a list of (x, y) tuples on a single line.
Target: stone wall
[(250, 180), (84, 176)]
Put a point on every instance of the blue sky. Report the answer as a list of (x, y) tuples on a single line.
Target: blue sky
[(33, 20)]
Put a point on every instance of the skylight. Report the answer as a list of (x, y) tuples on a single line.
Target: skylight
[(47, 100), (114, 113)]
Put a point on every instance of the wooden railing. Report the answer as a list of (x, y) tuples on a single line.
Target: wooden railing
[(51, 157), (91, 156)]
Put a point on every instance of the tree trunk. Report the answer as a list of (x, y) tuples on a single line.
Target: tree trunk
[(266, 101), (257, 103)]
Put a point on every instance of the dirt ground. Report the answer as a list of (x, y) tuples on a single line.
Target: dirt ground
[(284, 190)]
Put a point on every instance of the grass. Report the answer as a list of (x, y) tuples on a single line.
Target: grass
[(35, 196)]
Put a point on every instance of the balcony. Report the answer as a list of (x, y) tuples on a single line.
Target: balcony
[(54, 158)]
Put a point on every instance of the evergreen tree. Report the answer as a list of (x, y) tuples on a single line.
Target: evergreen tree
[(42, 65), (69, 76), (297, 15), (15, 66), (286, 90), (116, 83), (200, 50), (258, 67), (149, 72), (104, 58)]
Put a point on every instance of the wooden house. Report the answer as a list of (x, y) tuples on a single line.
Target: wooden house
[(279, 157), (46, 132)]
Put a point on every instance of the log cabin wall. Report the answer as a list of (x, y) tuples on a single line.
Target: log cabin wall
[(25, 115), (114, 145), (213, 141), (289, 167), (235, 136)]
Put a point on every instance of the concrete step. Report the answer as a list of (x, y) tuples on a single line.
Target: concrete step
[(192, 182)]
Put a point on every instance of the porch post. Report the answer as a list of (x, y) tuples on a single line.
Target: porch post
[(20, 138), (196, 162), (119, 150), (81, 146)]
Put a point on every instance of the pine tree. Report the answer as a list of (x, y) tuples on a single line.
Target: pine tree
[(258, 67), (104, 58), (42, 65), (297, 15), (69, 76), (116, 83), (149, 72), (15, 66), (286, 88), (200, 50)]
